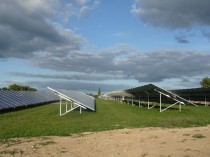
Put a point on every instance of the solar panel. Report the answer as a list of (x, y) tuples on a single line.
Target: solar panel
[(172, 95), (84, 99), (4, 103), (13, 99), (8, 98), (76, 98), (179, 100)]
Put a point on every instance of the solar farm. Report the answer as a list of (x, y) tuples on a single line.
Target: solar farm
[(64, 112)]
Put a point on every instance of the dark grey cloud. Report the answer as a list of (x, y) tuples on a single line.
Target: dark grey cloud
[(175, 67), (76, 85), (173, 14), (181, 39), (105, 62), (81, 76), (26, 28), (122, 63), (167, 64)]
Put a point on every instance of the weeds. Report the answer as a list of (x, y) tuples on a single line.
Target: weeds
[(12, 152), (198, 136), (46, 143), (10, 142)]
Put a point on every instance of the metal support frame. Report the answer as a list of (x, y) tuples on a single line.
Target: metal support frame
[(175, 97), (148, 104), (206, 102), (73, 104), (140, 102), (177, 102), (132, 102)]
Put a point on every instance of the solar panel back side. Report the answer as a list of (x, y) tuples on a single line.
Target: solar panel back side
[(173, 96)]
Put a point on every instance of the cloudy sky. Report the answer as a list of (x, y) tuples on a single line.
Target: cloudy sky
[(111, 44)]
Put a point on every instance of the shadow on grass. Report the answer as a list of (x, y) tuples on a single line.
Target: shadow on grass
[(158, 107), (18, 108)]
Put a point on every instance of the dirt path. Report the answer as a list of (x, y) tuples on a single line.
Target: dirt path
[(141, 142)]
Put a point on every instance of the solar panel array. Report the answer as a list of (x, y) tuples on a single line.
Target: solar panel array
[(13, 99), (82, 98), (151, 91)]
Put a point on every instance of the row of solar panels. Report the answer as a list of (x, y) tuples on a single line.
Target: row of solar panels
[(13, 99)]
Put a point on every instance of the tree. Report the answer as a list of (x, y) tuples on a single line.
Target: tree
[(20, 88), (4, 88), (205, 82), (99, 91), (14, 87)]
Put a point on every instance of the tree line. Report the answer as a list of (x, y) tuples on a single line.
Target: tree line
[(19, 88)]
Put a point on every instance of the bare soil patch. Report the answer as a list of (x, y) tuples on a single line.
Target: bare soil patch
[(139, 142)]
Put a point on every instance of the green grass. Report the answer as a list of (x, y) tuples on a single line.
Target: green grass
[(45, 120), (198, 136)]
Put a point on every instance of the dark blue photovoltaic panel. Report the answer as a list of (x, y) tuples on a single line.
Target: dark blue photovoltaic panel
[(84, 99), (12, 99)]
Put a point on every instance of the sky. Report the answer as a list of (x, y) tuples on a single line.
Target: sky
[(109, 44)]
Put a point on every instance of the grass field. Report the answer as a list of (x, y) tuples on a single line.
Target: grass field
[(45, 120)]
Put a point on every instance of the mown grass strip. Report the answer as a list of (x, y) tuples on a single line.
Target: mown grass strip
[(45, 120)]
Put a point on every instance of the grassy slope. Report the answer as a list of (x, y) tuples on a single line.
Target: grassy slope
[(45, 120)]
